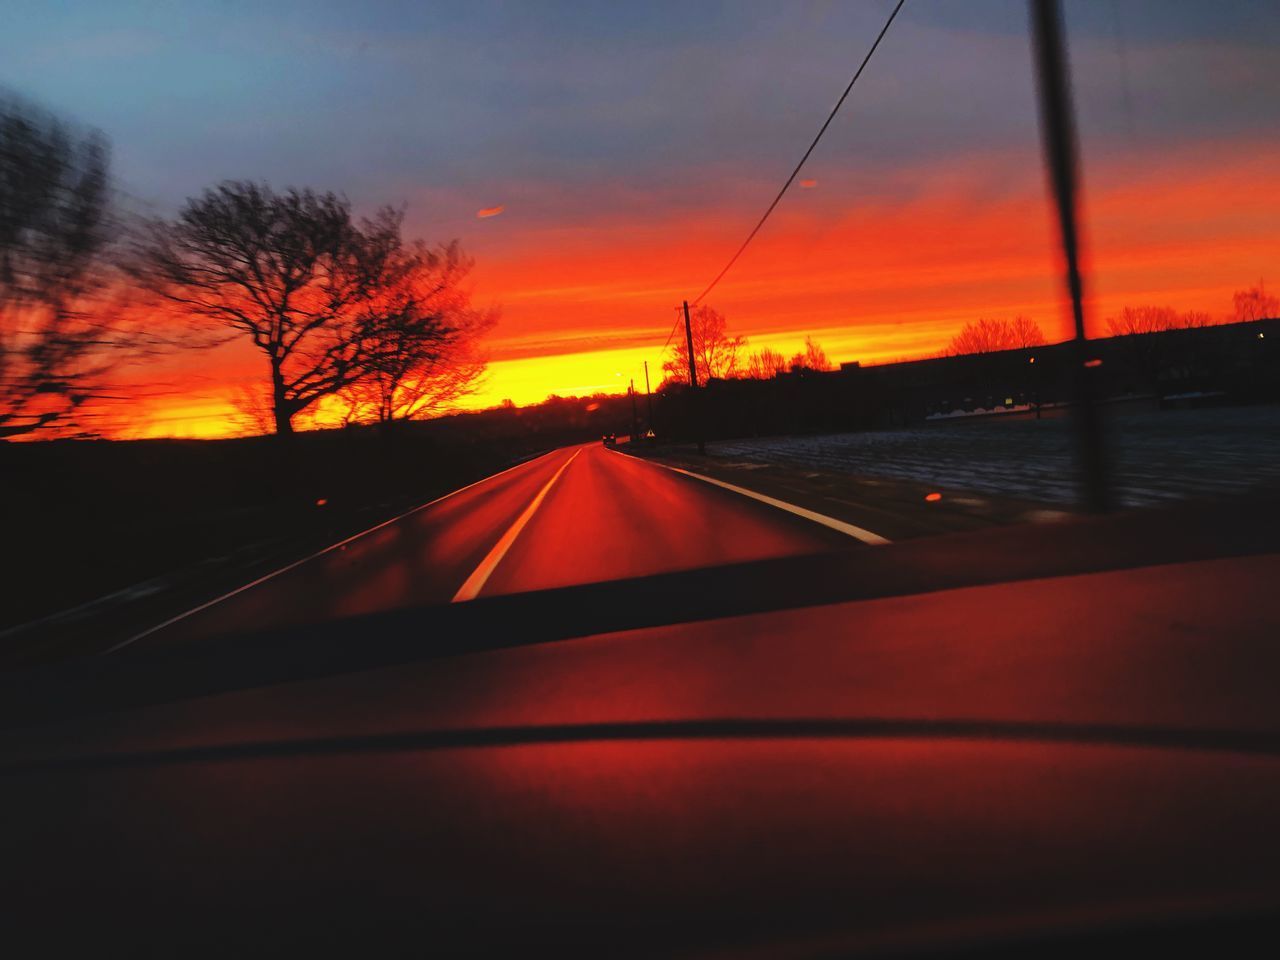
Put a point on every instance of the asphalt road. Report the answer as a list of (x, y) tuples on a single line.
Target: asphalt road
[(577, 515)]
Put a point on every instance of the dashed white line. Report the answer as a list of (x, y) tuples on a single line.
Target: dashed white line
[(320, 553), (475, 583)]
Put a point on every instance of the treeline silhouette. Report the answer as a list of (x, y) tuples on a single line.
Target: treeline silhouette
[(1236, 362), (719, 355), (1156, 356)]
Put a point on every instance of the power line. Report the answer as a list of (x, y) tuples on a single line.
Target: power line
[(796, 171)]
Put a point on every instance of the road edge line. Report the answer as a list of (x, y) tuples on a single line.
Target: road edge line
[(472, 586), (849, 529), (319, 553)]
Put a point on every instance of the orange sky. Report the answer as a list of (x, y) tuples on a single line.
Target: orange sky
[(602, 161), (887, 275)]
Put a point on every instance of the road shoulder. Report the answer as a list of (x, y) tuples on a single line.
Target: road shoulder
[(892, 508)]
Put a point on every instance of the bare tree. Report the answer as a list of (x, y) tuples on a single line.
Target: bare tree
[(765, 364), (987, 336), (1256, 304), (813, 357), (426, 344), (1149, 319), (253, 413), (1133, 320), (293, 272), (715, 353), (1025, 332), (54, 349)]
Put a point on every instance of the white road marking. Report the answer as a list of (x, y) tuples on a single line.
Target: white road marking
[(475, 583), (858, 533), (320, 553)]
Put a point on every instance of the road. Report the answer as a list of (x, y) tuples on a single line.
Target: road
[(1091, 756), (576, 515)]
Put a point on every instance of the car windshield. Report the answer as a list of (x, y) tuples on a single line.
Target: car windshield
[(592, 478), (312, 313)]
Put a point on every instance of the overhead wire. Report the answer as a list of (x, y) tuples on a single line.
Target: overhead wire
[(796, 171)]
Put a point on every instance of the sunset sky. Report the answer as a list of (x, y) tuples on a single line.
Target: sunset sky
[(632, 146)]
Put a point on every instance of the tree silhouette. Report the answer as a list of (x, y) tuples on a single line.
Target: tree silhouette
[(987, 336), (425, 353), (54, 350), (813, 357), (715, 353), (1256, 304), (765, 364), (293, 273), (1149, 319), (252, 404)]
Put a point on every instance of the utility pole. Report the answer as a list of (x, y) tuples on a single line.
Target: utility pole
[(634, 425), (693, 381), (1057, 124), (688, 337), (647, 394)]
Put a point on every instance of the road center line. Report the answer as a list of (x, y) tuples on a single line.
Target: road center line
[(858, 533), (475, 583), (319, 553)]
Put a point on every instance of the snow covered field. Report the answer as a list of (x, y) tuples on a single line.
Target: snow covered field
[(1156, 456)]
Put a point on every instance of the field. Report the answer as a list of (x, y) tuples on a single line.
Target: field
[(1155, 456)]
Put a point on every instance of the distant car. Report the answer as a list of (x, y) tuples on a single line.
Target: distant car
[(609, 440)]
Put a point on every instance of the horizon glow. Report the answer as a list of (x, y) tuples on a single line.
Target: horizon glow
[(632, 149)]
